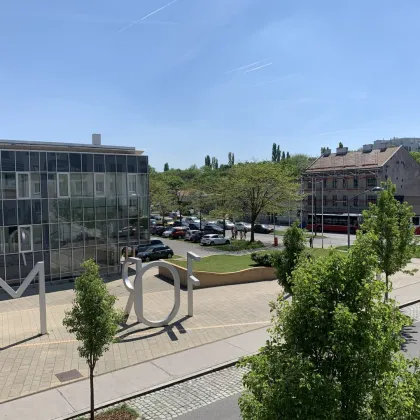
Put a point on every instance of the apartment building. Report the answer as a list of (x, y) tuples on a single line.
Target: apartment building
[(412, 144), (335, 180)]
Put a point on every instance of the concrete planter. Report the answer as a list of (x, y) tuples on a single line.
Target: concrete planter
[(209, 279)]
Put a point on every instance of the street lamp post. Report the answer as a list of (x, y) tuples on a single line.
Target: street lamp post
[(374, 189)]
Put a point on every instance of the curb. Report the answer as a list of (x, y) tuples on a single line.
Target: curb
[(155, 388), (413, 302)]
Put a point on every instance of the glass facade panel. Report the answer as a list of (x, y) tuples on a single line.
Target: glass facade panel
[(121, 163), (112, 227), (53, 211), (26, 264), (9, 185), (35, 185), (76, 185), (90, 253), (110, 163), (142, 164), (63, 185), (132, 164), (54, 238), (132, 184), (11, 239), (51, 162), (87, 181), (36, 212), (22, 161), (100, 209), (90, 233), (12, 267), (64, 231), (34, 162), (100, 185), (77, 209), (122, 184), (55, 262), (88, 209), (10, 212), (111, 208), (78, 259), (75, 162), (98, 163), (25, 238), (52, 185), (65, 262), (111, 187), (23, 185), (8, 161), (87, 162), (101, 233), (24, 212), (2, 267), (64, 210), (63, 162), (43, 162), (37, 237)]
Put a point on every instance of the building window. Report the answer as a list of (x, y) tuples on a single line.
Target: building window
[(344, 200), (132, 182), (309, 184), (63, 185), (99, 185), (371, 182), (325, 200), (355, 182), (23, 188), (325, 182), (309, 200), (356, 201), (334, 200), (371, 199), (345, 183), (25, 238), (35, 186), (334, 183)]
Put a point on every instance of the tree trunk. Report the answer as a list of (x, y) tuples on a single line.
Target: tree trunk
[(386, 287), (92, 396), (224, 227), (252, 231)]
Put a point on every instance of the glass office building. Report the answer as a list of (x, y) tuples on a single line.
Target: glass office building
[(65, 203)]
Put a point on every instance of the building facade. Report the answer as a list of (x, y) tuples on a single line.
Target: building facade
[(335, 179), (412, 144), (65, 203)]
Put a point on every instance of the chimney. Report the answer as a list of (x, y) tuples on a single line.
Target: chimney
[(367, 148), (327, 152), (96, 139), (341, 150)]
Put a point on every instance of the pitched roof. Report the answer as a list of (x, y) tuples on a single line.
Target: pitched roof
[(352, 160)]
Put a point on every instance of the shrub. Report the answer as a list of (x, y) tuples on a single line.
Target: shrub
[(240, 245), (262, 258)]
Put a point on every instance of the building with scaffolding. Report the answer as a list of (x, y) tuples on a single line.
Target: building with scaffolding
[(336, 180)]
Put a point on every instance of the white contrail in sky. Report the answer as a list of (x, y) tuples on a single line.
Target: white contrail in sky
[(245, 67), (148, 15), (259, 67)]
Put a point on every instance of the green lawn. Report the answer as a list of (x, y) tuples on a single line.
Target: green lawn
[(221, 263), (307, 234)]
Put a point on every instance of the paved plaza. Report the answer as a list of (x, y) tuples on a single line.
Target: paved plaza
[(29, 363)]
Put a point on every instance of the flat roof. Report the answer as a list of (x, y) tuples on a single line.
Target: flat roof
[(69, 147)]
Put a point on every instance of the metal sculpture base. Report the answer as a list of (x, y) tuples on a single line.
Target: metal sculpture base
[(136, 290)]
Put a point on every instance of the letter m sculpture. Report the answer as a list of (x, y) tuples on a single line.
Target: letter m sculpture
[(38, 269)]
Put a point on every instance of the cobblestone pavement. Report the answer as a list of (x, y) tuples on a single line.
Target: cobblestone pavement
[(412, 311), (182, 398), (29, 362)]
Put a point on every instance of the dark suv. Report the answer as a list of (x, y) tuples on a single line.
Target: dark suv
[(210, 228), (143, 247), (155, 252)]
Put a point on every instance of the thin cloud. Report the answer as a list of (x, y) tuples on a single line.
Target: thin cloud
[(148, 15), (259, 67), (247, 66)]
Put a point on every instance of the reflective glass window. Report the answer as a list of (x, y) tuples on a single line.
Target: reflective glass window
[(26, 264), (44, 186), (9, 185), (55, 263), (8, 161), (63, 185), (87, 162), (35, 185), (77, 234), (64, 210), (36, 212), (22, 161), (121, 184), (45, 217), (111, 204), (122, 207), (112, 227), (43, 162), (88, 209), (24, 212), (64, 232), (102, 256), (23, 185), (101, 232), (11, 239), (25, 238), (52, 185), (54, 238), (53, 211), (142, 163), (99, 185), (98, 163), (78, 259), (63, 162), (75, 162), (87, 181), (76, 185), (132, 184), (100, 209), (123, 230), (12, 267), (46, 236), (90, 233), (111, 187), (10, 212), (90, 253), (121, 163), (132, 164), (2, 267), (76, 209), (52, 162), (2, 248), (110, 163), (47, 264), (34, 162), (37, 237)]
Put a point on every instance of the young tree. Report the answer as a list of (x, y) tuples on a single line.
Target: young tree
[(416, 156), (340, 145), (177, 190), (334, 350), (166, 167), (283, 155), (287, 155), (92, 319), (233, 159), (274, 153), (214, 163), (323, 150), (391, 223), (255, 188), (278, 154), (207, 161), (287, 259)]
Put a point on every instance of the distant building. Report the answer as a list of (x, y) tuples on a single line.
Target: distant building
[(344, 174), (412, 144)]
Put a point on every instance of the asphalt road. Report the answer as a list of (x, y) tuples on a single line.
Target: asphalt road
[(226, 409)]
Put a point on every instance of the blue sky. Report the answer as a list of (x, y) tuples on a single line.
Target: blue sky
[(181, 83)]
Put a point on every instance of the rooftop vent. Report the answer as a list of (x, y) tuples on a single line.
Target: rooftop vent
[(96, 139), (342, 150), (327, 152), (367, 148)]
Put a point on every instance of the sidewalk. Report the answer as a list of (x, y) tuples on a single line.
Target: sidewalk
[(65, 401)]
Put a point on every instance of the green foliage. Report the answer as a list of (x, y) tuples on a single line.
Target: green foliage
[(287, 155), (207, 161), (92, 318), (240, 245), (122, 412), (286, 260), (166, 167), (390, 223), (283, 155), (214, 163), (416, 156), (334, 350), (231, 159), (265, 258), (340, 145)]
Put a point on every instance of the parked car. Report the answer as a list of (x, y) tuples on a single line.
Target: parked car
[(196, 237), (155, 252), (177, 223), (229, 225), (194, 226), (189, 233), (176, 232), (212, 228), (189, 220), (262, 229), (214, 239), (240, 226), (143, 247)]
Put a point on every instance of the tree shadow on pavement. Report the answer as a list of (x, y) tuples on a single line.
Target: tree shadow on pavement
[(409, 335)]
